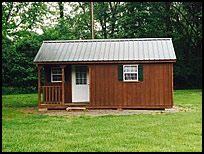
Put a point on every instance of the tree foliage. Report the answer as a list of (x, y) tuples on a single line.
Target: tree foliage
[(182, 21), (20, 17)]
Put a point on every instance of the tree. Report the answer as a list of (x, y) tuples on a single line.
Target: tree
[(107, 14), (20, 17), (18, 68), (182, 21), (188, 43)]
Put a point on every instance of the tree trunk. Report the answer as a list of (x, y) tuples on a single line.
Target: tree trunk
[(61, 8)]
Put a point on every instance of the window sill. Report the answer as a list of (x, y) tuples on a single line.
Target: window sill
[(56, 81), (131, 81)]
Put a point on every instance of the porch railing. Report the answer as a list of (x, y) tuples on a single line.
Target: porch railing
[(52, 94)]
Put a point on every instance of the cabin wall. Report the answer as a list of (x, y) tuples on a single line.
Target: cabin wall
[(68, 94), (106, 91), (155, 91)]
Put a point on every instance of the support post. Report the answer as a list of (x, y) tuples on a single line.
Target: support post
[(89, 69), (39, 86), (172, 85), (63, 83)]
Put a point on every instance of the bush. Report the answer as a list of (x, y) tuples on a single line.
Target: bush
[(17, 90)]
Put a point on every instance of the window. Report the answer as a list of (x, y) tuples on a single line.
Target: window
[(81, 75), (56, 74), (130, 72)]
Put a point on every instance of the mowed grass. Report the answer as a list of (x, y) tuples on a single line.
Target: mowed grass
[(26, 132)]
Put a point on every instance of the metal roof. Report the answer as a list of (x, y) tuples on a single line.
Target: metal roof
[(106, 50)]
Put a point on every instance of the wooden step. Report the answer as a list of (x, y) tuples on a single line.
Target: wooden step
[(77, 104), (75, 108)]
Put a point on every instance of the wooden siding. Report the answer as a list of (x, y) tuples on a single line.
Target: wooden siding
[(106, 91), (68, 93), (155, 91)]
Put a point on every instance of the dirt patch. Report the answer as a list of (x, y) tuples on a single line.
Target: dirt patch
[(30, 110), (100, 112)]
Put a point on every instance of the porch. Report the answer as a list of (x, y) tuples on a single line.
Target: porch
[(56, 95), (52, 99)]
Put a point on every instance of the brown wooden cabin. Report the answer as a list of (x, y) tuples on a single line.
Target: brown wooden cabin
[(109, 73)]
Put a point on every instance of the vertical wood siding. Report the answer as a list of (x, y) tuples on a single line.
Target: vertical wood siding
[(68, 93), (106, 91), (155, 91)]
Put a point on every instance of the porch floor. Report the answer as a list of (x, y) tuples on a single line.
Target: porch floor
[(60, 106), (78, 103)]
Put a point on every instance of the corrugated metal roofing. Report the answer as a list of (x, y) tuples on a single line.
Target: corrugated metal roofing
[(106, 50)]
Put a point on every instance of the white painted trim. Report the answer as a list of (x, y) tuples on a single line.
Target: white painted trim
[(54, 74), (80, 93), (130, 72)]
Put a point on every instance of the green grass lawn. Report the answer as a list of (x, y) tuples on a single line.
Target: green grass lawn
[(180, 131)]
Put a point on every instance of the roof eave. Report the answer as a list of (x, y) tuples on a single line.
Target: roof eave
[(107, 62)]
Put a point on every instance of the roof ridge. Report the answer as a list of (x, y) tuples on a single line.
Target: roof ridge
[(106, 40)]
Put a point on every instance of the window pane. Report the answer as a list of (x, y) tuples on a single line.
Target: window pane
[(130, 76), (54, 71), (130, 68), (84, 68), (80, 75), (84, 75), (77, 75), (125, 69), (54, 78), (77, 81), (134, 76), (127, 76), (81, 68), (59, 71), (57, 78), (84, 81), (133, 68)]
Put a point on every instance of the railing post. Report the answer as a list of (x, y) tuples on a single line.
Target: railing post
[(63, 81), (39, 86)]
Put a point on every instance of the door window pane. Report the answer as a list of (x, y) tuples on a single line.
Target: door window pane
[(81, 75)]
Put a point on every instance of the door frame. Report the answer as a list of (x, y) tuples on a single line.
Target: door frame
[(88, 81)]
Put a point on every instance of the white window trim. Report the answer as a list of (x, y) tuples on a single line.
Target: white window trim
[(130, 72), (54, 74)]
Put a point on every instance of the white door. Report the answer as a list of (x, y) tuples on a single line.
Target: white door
[(80, 84)]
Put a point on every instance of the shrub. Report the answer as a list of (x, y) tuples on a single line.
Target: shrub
[(18, 90)]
